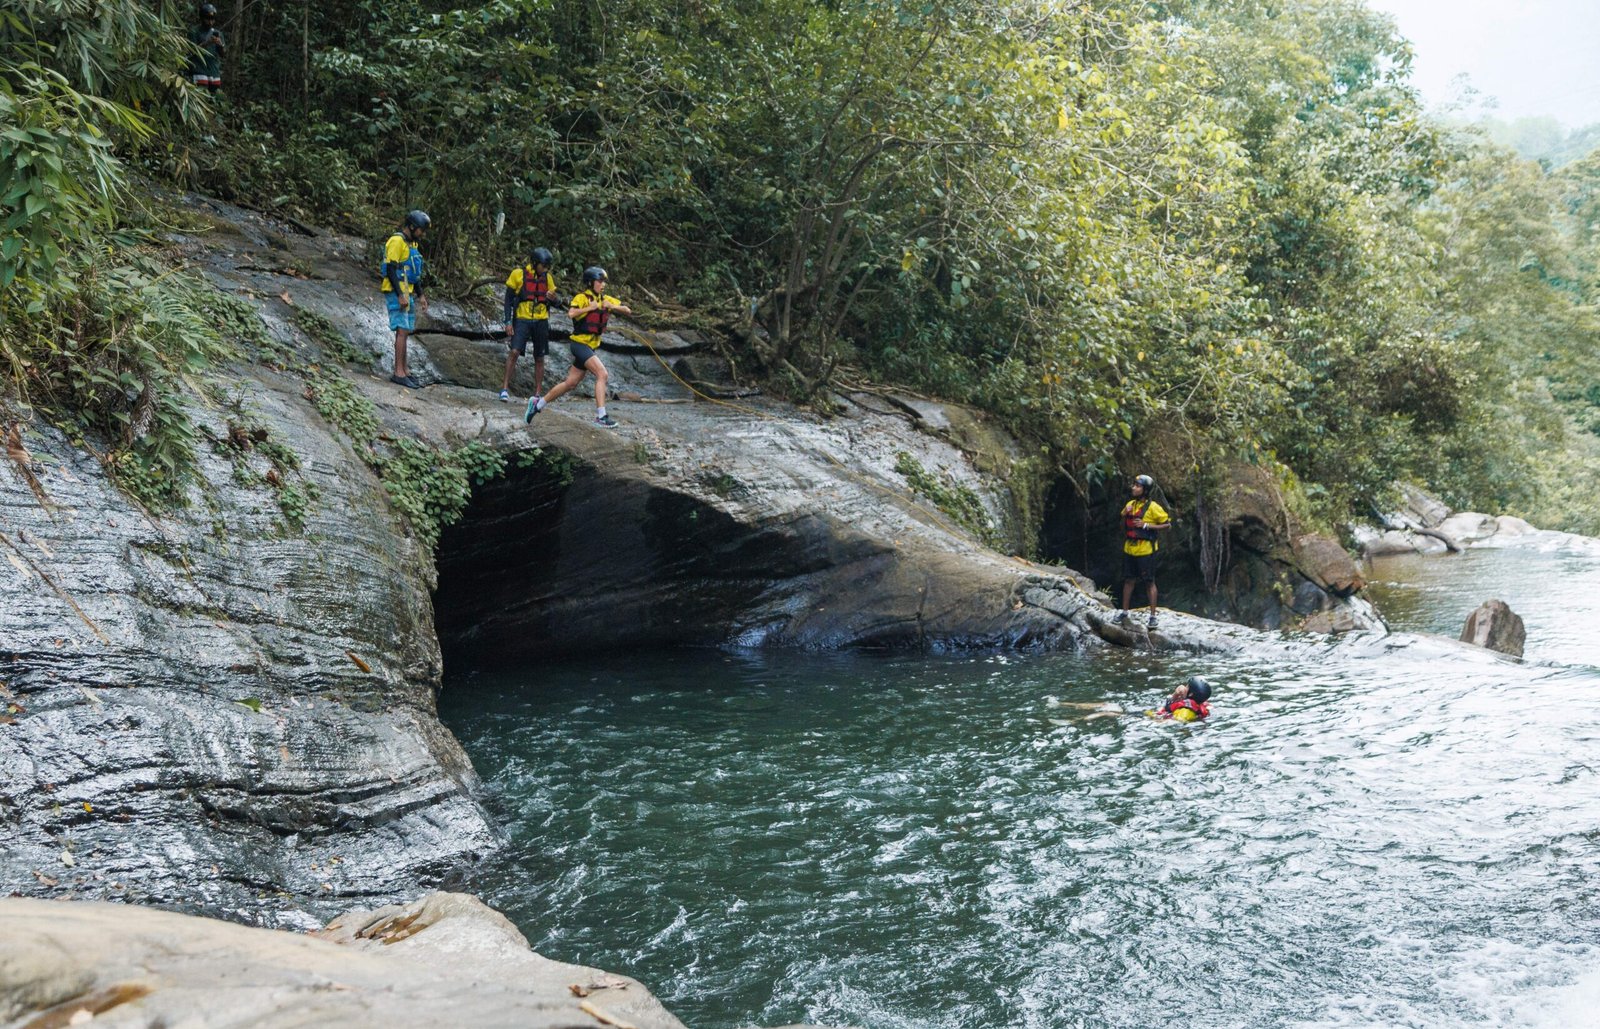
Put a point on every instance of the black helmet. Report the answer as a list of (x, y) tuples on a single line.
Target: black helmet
[(1199, 689), (592, 274), (539, 255), (1145, 481), (208, 10), (418, 220)]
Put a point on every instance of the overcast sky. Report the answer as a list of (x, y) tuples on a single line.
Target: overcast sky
[(1537, 57)]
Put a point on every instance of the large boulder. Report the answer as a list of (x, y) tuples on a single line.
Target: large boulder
[(446, 959), (1322, 560), (1507, 525), (1467, 527), (1420, 508), (1496, 627)]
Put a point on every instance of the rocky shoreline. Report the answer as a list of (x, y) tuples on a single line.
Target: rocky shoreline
[(232, 713)]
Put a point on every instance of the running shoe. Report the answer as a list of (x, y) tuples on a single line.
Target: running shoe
[(534, 407), (504, 396), (605, 421)]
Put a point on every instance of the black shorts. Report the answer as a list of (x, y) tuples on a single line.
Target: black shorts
[(581, 354), (1142, 568), (531, 330)]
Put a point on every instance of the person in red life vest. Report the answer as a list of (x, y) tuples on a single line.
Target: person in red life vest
[(1142, 519), (529, 289), (1188, 701), (590, 311)]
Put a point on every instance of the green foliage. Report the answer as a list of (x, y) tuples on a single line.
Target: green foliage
[(104, 346), (431, 487), (1201, 231), (559, 465), (424, 486), (337, 400), (481, 462), (321, 330), (953, 498), (295, 492)]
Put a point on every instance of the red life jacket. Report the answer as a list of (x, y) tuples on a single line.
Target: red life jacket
[(535, 287), (1200, 709), (593, 321), (1130, 515)]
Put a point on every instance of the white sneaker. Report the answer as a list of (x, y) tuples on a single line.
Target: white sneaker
[(504, 396)]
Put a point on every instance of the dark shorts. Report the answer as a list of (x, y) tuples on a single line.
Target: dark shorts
[(1142, 568), (581, 354), (531, 330)]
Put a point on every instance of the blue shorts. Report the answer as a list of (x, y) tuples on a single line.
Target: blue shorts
[(399, 319)]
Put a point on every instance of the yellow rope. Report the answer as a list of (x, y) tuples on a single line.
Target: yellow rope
[(639, 337)]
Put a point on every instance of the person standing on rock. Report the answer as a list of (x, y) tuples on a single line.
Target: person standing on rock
[(529, 289), (205, 69), (402, 289), (1142, 520), (590, 312)]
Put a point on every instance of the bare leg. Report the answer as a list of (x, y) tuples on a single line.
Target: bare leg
[(600, 379), (511, 362), (1152, 592), (538, 376), (400, 368), (574, 376)]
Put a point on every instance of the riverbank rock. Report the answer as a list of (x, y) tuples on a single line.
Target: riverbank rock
[(1495, 626), (445, 960), (1269, 572), (1425, 525), (214, 709), (231, 707), (1468, 527), (1420, 508), (1325, 562)]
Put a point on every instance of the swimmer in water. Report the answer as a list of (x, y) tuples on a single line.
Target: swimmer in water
[(1187, 704)]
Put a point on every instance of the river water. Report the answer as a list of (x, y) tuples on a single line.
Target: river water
[(1365, 833)]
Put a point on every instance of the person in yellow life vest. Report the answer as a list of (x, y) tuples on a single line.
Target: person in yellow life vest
[(1142, 520), (529, 291), (591, 310), (402, 282)]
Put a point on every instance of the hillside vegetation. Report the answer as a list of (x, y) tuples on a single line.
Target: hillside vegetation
[(1174, 234)]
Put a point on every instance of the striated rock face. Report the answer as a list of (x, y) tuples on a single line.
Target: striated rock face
[(224, 711), (1496, 627), (193, 725), (445, 960)]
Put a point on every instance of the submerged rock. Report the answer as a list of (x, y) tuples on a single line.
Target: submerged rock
[(1495, 626)]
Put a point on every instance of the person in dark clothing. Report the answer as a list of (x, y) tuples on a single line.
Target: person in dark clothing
[(205, 68)]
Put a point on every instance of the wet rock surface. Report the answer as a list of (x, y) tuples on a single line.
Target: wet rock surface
[(226, 713), (221, 711), (1496, 627), (214, 711)]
